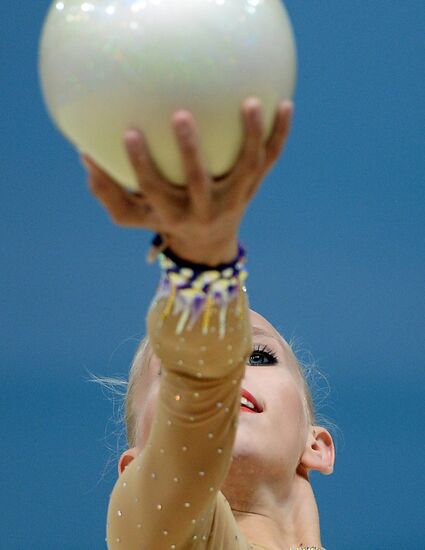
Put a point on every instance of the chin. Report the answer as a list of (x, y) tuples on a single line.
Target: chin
[(245, 444)]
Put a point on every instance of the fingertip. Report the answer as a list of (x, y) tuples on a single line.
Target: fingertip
[(86, 161), (252, 103), (133, 139), (287, 105), (181, 117)]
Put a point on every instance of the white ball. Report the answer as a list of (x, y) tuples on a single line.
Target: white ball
[(107, 66)]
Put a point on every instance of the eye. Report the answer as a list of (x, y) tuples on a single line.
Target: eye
[(261, 352)]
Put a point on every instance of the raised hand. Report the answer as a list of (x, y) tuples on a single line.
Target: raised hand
[(201, 220)]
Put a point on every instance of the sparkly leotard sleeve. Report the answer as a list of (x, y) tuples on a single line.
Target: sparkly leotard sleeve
[(169, 496)]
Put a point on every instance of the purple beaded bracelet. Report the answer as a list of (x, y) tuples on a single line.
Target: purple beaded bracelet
[(193, 289)]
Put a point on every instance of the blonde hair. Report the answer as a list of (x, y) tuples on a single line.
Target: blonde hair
[(141, 359)]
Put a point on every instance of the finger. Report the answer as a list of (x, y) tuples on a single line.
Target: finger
[(280, 132), (151, 184), (142, 215), (138, 198), (138, 153), (117, 202), (91, 164), (251, 159), (99, 180), (197, 179), (85, 160), (275, 143)]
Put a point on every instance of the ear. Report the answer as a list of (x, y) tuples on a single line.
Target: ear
[(319, 453), (126, 458)]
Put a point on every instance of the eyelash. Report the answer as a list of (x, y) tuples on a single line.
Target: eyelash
[(267, 352)]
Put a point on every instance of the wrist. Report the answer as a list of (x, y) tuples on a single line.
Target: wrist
[(211, 254), (196, 288)]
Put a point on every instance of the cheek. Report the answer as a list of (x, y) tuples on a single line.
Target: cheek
[(288, 414)]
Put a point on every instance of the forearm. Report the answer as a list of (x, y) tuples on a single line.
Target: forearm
[(196, 353), (178, 476)]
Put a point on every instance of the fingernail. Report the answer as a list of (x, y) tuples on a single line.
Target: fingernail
[(288, 103)]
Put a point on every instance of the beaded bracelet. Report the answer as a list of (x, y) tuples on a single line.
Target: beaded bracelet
[(193, 289)]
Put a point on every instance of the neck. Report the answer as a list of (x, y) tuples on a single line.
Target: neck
[(277, 520)]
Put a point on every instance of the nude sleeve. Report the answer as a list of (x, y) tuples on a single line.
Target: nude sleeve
[(169, 496)]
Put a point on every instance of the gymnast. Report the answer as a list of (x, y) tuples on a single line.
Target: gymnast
[(200, 471)]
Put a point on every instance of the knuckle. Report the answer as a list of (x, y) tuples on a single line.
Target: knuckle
[(149, 186), (196, 176)]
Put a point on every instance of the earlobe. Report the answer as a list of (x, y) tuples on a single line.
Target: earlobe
[(319, 453), (125, 459)]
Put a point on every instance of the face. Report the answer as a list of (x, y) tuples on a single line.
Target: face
[(270, 444), (272, 440)]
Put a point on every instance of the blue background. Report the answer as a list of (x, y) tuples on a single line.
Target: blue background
[(336, 251)]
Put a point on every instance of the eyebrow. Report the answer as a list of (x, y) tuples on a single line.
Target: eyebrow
[(261, 332), (257, 331)]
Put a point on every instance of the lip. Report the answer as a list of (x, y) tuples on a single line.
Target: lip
[(251, 398), (245, 410)]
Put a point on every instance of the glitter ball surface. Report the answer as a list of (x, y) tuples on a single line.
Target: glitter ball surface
[(106, 66)]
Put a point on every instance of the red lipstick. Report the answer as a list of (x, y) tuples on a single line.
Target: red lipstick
[(252, 399)]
